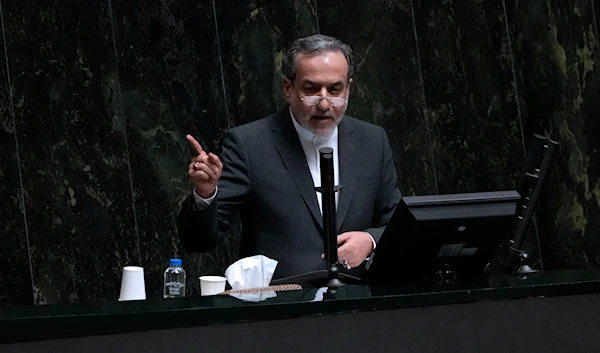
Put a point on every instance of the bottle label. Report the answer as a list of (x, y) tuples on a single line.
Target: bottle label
[(174, 287)]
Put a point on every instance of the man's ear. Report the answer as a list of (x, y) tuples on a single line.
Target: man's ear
[(286, 86), (349, 85)]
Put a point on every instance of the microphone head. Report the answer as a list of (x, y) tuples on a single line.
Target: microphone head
[(326, 152)]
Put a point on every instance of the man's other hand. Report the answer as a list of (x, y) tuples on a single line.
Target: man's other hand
[(354, 247)]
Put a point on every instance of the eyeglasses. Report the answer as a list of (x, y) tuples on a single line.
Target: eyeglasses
[(314, 100)]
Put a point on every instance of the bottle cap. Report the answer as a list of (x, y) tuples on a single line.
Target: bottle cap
[(175, 262)]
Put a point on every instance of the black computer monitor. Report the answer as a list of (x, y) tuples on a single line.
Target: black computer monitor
[(452, 232)]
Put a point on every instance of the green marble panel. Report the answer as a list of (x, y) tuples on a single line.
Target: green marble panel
[(470, 94), (596, 16), (72, 149), (15, 273), (557, 52)]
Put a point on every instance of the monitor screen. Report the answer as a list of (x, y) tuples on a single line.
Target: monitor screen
[(429, 233)]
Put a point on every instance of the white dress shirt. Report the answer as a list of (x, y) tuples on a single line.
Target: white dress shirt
[(311, 144)]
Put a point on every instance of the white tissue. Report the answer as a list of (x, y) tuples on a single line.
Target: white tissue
[(251, 272)]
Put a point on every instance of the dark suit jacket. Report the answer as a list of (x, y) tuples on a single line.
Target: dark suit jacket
[(267, 180)]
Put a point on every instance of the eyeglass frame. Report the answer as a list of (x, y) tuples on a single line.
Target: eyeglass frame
[(318, 99)]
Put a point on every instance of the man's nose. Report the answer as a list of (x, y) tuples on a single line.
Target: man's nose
[(324, 103)]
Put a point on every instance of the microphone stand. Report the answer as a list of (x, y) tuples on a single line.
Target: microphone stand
[(512, 257), (328, 190)]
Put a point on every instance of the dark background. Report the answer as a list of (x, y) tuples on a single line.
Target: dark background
[(96, 99)]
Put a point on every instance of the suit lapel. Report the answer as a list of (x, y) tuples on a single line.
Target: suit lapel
[(347, 153), (290, 150)]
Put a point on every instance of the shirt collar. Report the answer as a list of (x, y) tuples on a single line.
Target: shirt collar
[(309, 136)]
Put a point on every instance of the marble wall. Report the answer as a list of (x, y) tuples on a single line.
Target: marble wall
[(97, 98)]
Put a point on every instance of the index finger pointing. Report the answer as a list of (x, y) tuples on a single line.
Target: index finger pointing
[(194, 144)]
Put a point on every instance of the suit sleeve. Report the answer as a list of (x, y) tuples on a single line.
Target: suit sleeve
[(201, 230), (388, 193)]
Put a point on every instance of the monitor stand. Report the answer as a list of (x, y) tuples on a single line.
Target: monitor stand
[(446, 274)]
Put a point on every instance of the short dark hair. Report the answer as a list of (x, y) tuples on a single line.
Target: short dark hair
[(315, 44)]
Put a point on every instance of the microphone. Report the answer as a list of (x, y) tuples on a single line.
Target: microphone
[(328, 190)]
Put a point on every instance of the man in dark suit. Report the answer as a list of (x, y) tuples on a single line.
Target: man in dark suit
[(268, 170)]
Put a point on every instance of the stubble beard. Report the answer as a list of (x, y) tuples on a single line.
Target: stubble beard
[(305, 123)]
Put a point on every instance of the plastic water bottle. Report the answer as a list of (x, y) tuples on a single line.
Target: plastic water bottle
[(174, 280)]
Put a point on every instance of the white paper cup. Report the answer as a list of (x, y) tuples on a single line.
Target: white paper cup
[(132, 284), (211, 285)]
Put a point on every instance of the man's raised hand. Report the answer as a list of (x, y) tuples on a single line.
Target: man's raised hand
[(204, 170)]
